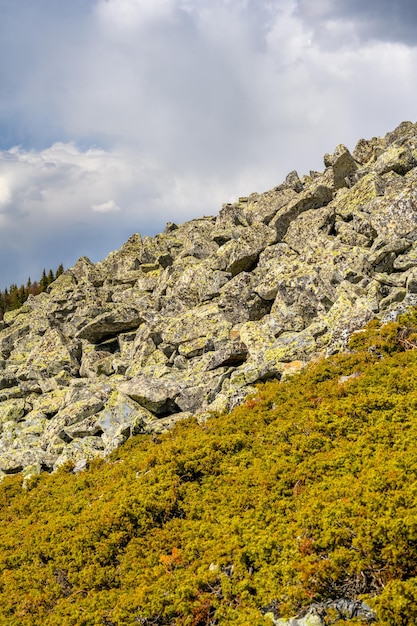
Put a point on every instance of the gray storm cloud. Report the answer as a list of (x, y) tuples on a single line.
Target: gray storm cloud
[(384, 20)]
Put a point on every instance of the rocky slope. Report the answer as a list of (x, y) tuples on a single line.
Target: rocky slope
[(186, 322)]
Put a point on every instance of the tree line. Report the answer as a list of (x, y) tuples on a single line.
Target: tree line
[(13, 297)]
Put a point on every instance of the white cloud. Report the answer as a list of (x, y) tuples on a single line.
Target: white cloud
[(60, 181), (126, 15), (5, 194), (50, 201), (106, 207)]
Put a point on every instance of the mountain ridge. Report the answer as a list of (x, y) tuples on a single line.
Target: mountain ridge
[(185, 323)]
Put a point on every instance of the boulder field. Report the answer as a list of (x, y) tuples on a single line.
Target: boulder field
[(186, 322)]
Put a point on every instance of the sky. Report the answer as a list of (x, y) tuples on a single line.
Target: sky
[(117, 116)]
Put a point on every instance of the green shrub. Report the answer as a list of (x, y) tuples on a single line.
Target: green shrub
[(306, 492)]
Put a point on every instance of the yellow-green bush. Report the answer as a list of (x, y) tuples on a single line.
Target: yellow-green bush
[(306, 492)]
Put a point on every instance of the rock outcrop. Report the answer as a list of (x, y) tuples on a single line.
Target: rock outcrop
[(186, 322)]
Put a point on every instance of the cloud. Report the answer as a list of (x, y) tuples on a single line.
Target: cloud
[(45, 205), (51, 201), (106, 207), (5, 194), (132, 113), (380, 20), (128, 15)]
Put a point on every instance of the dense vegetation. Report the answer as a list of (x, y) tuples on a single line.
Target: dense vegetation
[(13, 297), (306, 492)]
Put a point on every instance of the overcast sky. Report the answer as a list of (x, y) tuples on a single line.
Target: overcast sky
[(117, 116)]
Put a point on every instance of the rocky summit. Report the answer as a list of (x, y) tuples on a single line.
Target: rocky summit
[(188, 321)]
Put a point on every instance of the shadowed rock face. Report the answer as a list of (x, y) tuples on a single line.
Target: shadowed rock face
[(186, 322)]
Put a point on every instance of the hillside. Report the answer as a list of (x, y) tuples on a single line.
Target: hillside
[(204, 431), (302, 499), (187, 322)]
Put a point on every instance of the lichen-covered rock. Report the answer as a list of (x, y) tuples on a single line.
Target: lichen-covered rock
[(241, 255), (95, 361), (50, 402), (364, 151), (262, 208), (398, 158), (233, 353), (239, 301), (192, 282), (384, 252), (13, 410), (343, 165), (120, 419), (319, 614), (186, 322), (119, 319), (52, 354), (206, 321), (76, 449), (156, 395), (406, 261), (14, 461), (349, 201), (317, 195), (274, 264)]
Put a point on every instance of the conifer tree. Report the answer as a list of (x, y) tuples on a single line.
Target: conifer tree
[(43, 283), (14, 296)]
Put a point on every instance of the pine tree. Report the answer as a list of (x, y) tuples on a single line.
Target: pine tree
[(43, 283), (14, 296)]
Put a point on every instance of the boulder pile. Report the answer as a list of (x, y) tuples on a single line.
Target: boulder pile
[(186, 322)]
